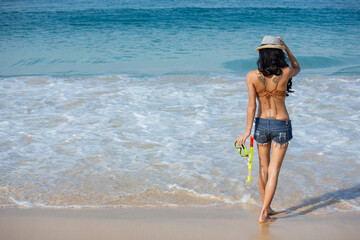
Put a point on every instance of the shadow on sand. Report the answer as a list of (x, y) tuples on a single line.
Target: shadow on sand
[(322, 201)]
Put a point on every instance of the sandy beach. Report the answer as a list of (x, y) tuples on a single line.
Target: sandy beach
[(171, 223)]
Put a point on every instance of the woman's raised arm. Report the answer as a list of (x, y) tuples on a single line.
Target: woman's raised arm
[(295, 67)]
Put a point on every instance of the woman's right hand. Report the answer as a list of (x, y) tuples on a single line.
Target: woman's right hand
[(283, 43), (242, 139)]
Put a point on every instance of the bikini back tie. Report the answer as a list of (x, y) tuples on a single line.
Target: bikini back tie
[(274, 93)]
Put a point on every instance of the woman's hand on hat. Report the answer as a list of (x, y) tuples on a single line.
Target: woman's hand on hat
[(282, 42)]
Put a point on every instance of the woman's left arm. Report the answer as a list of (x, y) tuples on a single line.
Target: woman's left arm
[(250, 109)]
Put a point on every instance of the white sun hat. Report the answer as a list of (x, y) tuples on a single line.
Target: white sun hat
[(271, 42)]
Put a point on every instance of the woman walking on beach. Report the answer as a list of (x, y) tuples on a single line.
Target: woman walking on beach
[(270, 84)]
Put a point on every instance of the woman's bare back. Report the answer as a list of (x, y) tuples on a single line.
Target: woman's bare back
[(271, 92)]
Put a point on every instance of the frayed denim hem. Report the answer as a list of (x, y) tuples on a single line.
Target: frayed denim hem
[(262, 144), (275, 144), (280, 145)]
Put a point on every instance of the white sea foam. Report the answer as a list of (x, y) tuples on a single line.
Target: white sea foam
[(110, 141)]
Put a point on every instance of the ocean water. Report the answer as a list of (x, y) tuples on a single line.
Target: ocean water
[(138, 103)]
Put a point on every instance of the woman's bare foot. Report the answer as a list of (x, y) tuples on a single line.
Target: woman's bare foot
[(264, 217), (271, 212), (267, 219)]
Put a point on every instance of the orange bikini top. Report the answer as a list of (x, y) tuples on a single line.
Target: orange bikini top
[(274, 93)]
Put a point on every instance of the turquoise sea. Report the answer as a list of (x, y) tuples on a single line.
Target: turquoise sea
[(138, 102)]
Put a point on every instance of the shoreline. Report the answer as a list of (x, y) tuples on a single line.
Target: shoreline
[(225, 222)]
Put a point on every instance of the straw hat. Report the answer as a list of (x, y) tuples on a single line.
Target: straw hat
[(271, 42)]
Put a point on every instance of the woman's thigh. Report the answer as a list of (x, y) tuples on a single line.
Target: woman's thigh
[(264, 155)]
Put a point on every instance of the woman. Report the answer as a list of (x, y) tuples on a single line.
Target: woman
[(270, 84)]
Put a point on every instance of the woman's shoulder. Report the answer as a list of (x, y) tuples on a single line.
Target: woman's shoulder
[(290, 71), (286, 71), (253, 73), (251, 76)]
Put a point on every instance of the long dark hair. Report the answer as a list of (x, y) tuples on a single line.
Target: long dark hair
[(271, 61)]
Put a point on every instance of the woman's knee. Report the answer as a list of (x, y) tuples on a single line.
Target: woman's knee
[(263, 170), (274, 172)]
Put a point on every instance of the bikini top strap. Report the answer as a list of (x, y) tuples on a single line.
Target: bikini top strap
[(264, 92), (277, 83)]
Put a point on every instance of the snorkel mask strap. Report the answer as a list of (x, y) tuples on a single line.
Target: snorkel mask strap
[(241, 148)]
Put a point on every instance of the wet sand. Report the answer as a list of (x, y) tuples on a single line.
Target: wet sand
[(171, 223)]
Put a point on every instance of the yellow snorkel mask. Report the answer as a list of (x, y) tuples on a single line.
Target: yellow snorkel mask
[(241, 148)]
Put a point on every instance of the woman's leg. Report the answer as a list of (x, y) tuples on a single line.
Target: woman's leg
[(277, 157), (264, 159)]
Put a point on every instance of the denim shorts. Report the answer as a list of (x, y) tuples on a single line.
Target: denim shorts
[(267, 129)]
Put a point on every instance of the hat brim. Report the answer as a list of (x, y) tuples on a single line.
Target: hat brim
[(271, 46)]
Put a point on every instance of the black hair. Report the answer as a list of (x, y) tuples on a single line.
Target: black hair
[(271, 61)]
